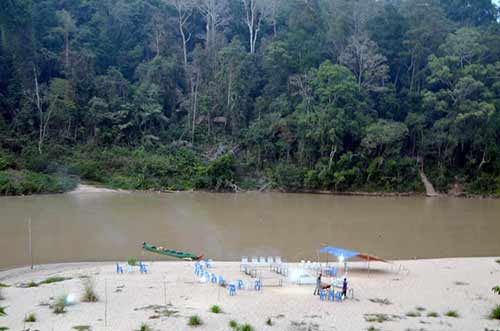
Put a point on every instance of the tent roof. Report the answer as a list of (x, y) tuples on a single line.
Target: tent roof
[(348, 254)]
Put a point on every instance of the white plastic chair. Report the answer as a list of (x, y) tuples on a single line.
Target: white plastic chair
[(262, 260), (277, 259)]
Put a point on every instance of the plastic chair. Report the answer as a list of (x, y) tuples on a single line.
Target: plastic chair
[(240, 284), (331, 296), (119, 269), (322, 295), (214, 279), (129, 268), (277, 260), (222, 282), (339, 296), (257, 285), (232, 290), (262, 260), (255, 260), (270, 260)]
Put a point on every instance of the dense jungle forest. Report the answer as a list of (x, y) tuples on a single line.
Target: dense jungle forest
[(223, 95)]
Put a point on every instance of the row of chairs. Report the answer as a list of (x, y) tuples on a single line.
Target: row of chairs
[(201, 272), (261, 261), (130, 269), (280, 269), (331, 295)]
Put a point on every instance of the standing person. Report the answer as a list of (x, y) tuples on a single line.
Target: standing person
[(318, 285), (344, 288)]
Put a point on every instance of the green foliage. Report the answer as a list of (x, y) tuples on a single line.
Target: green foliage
[(496, 290), (215, 309), (233, 324), (413, 314), (89, 292), (432, 314), (14, 182), (195, 320), (269, 321), (144, 327), (59, 306), (132, 262), (2, 311), (117, 107), (218, 175), (245, 327), (52, 280), (495, 313), (31, 318), (452, 313), (82, 327)]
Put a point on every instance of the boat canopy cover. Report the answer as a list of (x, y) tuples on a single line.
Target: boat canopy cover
[(346, 254)]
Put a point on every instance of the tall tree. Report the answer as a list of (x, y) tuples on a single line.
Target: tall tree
[(256, 11), (368, 65)]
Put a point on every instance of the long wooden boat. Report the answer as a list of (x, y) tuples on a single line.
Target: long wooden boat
[(171, 252)]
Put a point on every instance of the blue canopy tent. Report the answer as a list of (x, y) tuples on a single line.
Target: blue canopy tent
[(343, 255)]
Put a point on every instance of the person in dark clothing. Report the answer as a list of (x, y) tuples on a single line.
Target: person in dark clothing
[(344, 288), (318, 285)]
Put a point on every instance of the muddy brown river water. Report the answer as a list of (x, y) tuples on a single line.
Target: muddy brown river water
[(112, 226)]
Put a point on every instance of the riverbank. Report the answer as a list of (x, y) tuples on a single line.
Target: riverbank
[(412, 295)]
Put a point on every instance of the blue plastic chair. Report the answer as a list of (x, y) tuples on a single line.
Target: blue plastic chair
[(322, 295), (339, 296), (144, 269), (119, 269), (214, 278), (222, 282), (232, 290), (258, 285), (129, 268), (240, 284), (331, 296)]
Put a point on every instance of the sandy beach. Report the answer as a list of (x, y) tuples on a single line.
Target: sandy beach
[(170, 293)]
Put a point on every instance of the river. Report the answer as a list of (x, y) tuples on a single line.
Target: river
[(112, 226)]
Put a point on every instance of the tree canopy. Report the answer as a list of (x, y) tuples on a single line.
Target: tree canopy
[(219, 94)]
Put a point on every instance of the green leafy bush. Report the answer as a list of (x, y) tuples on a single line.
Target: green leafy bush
[(195, 320)]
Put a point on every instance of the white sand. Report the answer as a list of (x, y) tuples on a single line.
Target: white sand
[(431, 284), (83, 189)]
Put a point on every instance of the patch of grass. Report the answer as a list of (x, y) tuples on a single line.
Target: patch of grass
[(413, 314), (497, 261), (215, 309), (4, 285), (82, 328), (385, 301), (1, 295), (372, 328), (379, 318), (495, 313), (3, 328), (89, 294), (496, 289), (233, 324), (246, 327), (30, 318), (195, 320), (132, 262), (420, 308), (2, 311), (432, 314), (452, 313), (269, 321), (52, 280), (30, 284), (59, 306), (144, 327)]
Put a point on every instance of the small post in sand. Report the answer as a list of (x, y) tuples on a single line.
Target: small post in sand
[(105, 303), (30, 245)]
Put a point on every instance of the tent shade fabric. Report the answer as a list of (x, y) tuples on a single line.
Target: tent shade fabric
[(346, 254)]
